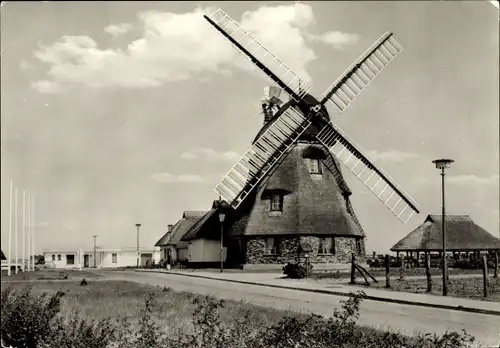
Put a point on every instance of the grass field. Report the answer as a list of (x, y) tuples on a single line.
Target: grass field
[(185, 320), (54, 274), (115, 299), (471, 288)]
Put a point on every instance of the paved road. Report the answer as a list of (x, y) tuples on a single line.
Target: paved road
[(405, 318)]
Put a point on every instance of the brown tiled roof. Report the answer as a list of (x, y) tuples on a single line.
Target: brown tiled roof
[(310, 206), (189, 218), (462, 234)]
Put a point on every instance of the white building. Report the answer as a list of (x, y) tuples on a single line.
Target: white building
[(104, 258)]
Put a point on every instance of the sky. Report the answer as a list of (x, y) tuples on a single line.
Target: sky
[(117, 113)]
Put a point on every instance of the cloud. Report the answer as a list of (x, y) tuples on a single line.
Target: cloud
[(118, 29), (473, 180), (209, 155), (24, 65), (179, 46), (170, 178), (391, 155), (337, 39), (45, 86)]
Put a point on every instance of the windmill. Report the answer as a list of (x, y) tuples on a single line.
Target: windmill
[(304, 112)]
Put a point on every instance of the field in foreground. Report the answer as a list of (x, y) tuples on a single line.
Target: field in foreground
[(471, 288), (146, 316), (54, 274)]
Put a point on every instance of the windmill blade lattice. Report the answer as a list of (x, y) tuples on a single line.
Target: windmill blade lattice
[(262, 156), (384, 187), (257, 53), (364, 70)]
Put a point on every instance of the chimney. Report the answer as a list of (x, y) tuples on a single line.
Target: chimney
[(170, 228)]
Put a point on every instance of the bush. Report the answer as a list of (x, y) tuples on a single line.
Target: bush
[(26, 320), (296, 270), (29, 321)]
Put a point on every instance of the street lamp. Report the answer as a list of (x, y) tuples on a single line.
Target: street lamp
[(443, 164), (222, 216), (95, 257), (138, 255)]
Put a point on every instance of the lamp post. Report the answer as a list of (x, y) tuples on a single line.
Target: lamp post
[(138, 255), (222, 216), (306, 256), (443, 164), (95, 257)]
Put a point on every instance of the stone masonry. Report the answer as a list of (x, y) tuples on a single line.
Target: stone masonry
[(344, 247)]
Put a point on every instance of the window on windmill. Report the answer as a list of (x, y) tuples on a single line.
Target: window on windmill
[(59, 257), (326, 245), (272, 245), (53, 257), (276, 202), (314, 165), (114, 258)]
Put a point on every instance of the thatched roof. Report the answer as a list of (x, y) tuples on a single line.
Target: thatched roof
[(189, 218), (311, 206), (208, 227), (462, 234)]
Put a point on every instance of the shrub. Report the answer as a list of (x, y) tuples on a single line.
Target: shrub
[(24, 312), (26, 319), (296, 270)]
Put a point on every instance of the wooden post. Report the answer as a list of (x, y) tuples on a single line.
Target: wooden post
[(428, 271), (496, 264), (353, 269), (486, 278), (402, 269), (387, 270)]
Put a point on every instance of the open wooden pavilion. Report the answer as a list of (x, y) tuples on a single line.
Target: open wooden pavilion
[(463, 238)]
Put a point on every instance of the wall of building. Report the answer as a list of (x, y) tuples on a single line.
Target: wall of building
[(182, 254), (344, 247), (164, 253), (104, 259), (204, 250), (60, 259)]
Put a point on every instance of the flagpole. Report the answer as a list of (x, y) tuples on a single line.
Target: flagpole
[(33, 228), (28, 234), (16, 232), (24, 230), (10, 229)]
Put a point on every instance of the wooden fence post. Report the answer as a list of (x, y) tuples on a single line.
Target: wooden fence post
[(496, 264), (428, 271), (387, 270), (486, 277), (402, 269), (353, 269)]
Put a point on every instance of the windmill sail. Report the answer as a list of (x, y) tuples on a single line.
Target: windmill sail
[(274, 143), (382, 186), (262, 156), (257, 53), (364, 70)]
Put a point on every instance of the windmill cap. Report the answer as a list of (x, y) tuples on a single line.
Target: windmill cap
[(273, 93)]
